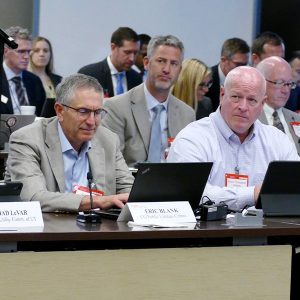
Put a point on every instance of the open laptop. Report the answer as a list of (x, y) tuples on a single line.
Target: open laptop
[(155, 182), (10, 191), (280, 191), (10, 123)]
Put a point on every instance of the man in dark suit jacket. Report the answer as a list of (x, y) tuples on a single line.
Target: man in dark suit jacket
[(234, 53), (15, 65), (124, 48)]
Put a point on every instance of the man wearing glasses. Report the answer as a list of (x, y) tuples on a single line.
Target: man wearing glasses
[(234, 53), (279, 78), (52, 157), (239, 145), (19, 87)]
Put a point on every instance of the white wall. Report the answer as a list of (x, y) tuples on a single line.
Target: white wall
[(80, 30)]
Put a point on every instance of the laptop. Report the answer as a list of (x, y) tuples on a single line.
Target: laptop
[(48, 110), (155, 182), (10, 123), (280, 191), (10, 191)]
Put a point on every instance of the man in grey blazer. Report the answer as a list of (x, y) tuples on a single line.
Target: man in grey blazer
[(278, 75), (132, 114), (52, 157)]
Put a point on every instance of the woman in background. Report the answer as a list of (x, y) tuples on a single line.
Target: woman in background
[(41, 64), (192, 85)]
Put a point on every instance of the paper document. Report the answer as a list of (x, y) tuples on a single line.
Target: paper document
[(159, 225)]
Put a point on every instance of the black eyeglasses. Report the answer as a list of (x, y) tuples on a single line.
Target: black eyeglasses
[(205, 84), (280, 83), (84, 113)]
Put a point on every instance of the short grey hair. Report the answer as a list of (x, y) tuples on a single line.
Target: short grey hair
[(167, 40), (65, 91), (18, 32)]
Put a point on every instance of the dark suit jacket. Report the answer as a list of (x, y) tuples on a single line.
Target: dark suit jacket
[(204, 108), (56, 79), (293, 102), (214, 90), (35, 92), (101, 72)]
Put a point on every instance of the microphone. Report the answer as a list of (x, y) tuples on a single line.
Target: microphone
[(9, 41), (90, 216), (89, 176)]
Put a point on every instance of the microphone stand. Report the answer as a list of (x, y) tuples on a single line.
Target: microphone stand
[(91, 216)]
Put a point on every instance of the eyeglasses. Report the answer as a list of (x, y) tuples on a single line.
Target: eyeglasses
[(205, 84), (84, 113), (280, 83)]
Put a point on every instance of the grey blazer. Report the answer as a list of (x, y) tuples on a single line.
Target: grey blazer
[(129, 119), (35, 159), (289, 116)]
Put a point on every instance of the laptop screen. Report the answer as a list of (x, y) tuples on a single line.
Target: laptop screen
[(280, 191), (10, 123), (170, 182)]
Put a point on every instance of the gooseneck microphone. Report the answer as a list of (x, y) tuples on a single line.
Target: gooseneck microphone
[(89, 216), (89, 176), (9, 41)]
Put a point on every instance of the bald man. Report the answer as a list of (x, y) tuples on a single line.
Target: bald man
[(239, 145), (279, 78)]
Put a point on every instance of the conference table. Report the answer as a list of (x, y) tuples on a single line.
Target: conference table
[(70, 260), (61, 231)]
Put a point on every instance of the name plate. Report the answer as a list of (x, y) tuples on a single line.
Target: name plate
[(162, 212), (20, 216)]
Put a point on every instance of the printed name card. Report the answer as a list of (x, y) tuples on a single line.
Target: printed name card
[(162, 212), (20, 216)]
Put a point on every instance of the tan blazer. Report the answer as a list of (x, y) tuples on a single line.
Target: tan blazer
[(129, 119), (289, 116), (35, 158)]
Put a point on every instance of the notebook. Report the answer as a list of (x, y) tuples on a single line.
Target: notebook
[(155, 182), (10, 123), (280, 191)]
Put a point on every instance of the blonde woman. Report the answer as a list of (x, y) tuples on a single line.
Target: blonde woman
[(41, 64), (192, 85)]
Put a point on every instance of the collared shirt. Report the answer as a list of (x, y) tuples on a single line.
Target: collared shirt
[(76, 165), (210, 139), (268, 110), (12, 88), (151, 103), (221, 76), (114, 72)]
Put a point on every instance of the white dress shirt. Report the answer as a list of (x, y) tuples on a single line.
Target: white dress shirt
[(210, 139)]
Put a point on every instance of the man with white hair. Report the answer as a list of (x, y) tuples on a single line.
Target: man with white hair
[(239, 145), (279, 80)]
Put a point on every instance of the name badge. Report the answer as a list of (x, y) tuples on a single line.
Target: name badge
[(296, 127), (21, 216), (162, 212), (236, 180), (83, 190)]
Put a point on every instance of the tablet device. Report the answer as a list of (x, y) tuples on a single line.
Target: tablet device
[(280, 191)]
